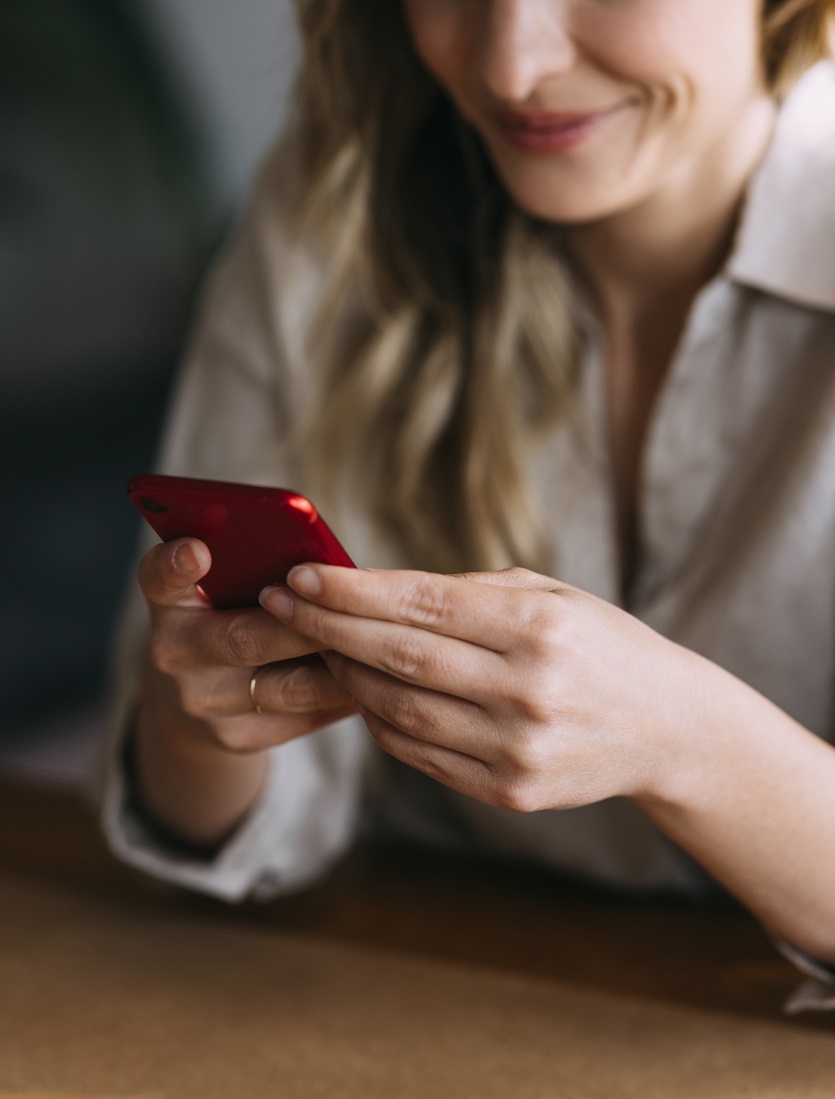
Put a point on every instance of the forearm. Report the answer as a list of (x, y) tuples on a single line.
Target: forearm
[(187, 783), (753, 800)]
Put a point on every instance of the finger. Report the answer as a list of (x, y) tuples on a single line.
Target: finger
[(257, 732), (169, 572), (298, 687), (484, 614), (425, 714), (460, 772), (244, 638), (513, 578), (294, 686), (410, 654)]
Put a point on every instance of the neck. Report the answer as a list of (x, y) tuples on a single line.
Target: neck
[(655, 257)]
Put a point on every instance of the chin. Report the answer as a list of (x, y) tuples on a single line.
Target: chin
[(564, 208), (564, 198)]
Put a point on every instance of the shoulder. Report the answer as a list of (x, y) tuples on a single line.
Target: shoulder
[(260, 238)]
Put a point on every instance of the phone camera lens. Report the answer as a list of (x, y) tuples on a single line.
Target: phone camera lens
[(152, 505)]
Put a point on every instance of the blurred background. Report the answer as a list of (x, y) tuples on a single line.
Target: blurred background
[(129, 133)]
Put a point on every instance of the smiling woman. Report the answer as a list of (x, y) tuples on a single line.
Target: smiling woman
[(525, 284), (660, 96), (459, 270)]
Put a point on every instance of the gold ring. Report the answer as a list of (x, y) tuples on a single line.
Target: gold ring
[(258, 709)]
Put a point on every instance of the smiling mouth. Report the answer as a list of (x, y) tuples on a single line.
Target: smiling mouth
[(554, 132)]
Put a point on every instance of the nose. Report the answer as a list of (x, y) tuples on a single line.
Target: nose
[(525, 43)]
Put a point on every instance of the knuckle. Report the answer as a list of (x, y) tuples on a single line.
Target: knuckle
[(297, 691), (237, 737), (531, 695), (418, 757), (162, 654), (241, 641), (318, 623), (432, 769), (193, 702), (527, 753), (423, 601), (404, 658), (543, 626), (471, 576), (405, 710), (517, 577), (518, 795)]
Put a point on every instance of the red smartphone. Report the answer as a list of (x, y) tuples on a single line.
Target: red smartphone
[(255, 535)]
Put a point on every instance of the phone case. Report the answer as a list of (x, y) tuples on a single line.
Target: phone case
[(255, 535)]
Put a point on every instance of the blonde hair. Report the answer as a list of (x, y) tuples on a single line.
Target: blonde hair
[(457, 345), (796, 34)]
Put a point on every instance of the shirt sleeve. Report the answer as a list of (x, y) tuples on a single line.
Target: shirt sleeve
[(232, 406)]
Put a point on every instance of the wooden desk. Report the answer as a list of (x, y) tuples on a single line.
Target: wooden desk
[(400, 976)]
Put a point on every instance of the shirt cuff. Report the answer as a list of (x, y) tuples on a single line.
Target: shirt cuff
[(305, 819)]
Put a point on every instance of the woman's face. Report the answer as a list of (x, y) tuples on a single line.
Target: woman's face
[(590, 107)]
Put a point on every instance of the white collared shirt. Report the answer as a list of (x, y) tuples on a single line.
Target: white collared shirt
[(736, 518)]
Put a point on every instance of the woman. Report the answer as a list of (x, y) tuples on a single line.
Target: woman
[(529, 283)]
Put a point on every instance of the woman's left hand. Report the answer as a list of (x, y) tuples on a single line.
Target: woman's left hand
[(513, 688)]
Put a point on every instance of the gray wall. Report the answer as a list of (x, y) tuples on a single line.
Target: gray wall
[(95, 293), (236, 59)]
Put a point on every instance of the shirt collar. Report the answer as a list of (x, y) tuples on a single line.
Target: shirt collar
[(786, 242)]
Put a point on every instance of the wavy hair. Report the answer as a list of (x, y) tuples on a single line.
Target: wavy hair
[(796, 34), (457, 346)]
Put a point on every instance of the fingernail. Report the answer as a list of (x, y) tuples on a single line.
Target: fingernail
[(305, 580), (277, 602), (185, 559)]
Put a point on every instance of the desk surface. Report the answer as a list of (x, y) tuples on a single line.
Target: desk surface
[(400, 975)]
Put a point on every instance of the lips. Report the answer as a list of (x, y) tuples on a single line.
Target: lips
[(551, 132)]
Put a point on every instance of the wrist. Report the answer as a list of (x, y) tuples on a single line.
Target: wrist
[(190, 784), (699, 716), (750, 799)]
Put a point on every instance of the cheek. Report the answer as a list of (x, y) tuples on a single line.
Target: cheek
[(678, 52)]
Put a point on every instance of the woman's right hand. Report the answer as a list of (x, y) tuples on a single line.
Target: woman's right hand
[(200, 748)]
